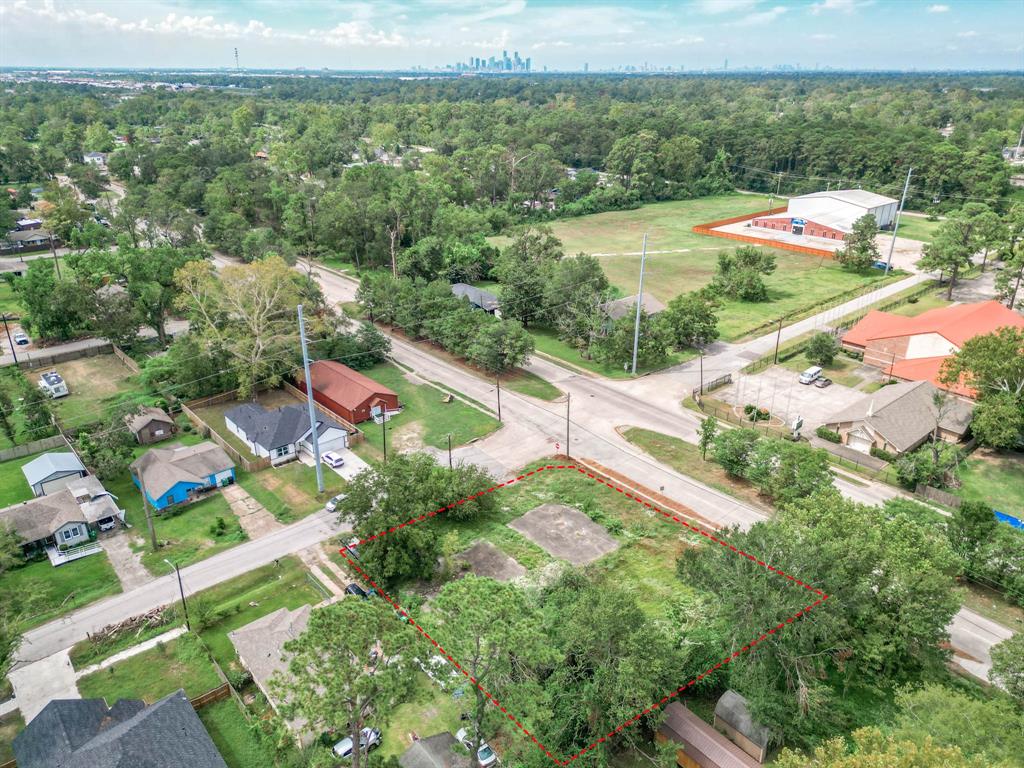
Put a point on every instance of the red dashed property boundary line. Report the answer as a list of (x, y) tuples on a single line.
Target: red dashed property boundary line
[(821, 598)]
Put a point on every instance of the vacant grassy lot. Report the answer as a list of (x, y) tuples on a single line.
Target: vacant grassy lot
[(9, 303), (13, 485), (929, 301), (425, 419), (42, 592), (289, 492), (917, 228), (151, 675), (186, 537), (997, 479), (97, 384), (234, 738), (547, 341)]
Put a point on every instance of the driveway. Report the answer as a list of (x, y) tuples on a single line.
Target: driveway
[(126, 563), (254, 518), (778, 390), (353, 464), (972, 637)]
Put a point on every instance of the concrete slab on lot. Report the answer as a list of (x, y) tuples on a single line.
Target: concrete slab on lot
[(565, 533), (485, 559), (778, 390), (352, 467)]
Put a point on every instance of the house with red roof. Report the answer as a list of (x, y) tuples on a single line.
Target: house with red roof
[(914, 348), (348, 394)]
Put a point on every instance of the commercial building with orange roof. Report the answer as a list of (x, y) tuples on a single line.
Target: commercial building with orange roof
[(914, 348)]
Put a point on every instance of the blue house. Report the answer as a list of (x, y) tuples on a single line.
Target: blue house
[(177, 474)]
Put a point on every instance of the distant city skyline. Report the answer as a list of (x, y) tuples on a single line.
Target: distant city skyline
[(599, 35)]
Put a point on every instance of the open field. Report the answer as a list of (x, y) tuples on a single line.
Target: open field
[(547, 342), (917, 228), (929, 301), (152, 674), (425, 418), (995, 479), (97, 384), (185, 533), (44, 592), (680, 261)]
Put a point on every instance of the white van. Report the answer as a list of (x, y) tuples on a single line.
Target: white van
[(810, 375)]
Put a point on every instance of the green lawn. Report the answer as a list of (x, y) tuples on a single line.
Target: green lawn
[(996, 479), (430, 711), (289, 492), (526, 383), (151, 675), (9, 302), (250, 596), (44, 592), (234, 738), (12, 381), (547, 341), (186, 537), (11, 725), (923, 304), (425, 419), (13, 485), (97, 384), (917, 228), (799, 281)]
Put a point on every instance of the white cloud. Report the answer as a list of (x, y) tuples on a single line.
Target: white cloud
[(762, 17), (968, 33), (938, 8), (844, 6), (688, 40), (726, 6), (822, 36)]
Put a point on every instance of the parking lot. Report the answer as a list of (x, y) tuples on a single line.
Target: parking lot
[(779, 390)]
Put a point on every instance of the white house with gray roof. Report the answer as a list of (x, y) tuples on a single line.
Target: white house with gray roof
[(283, 433), (53, 471)]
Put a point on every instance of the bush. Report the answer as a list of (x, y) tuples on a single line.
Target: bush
[(219, 527), (878, 453), (827, 434), (821, 349)]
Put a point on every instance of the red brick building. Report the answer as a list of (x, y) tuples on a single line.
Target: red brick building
[(914, 348), (347, 393)]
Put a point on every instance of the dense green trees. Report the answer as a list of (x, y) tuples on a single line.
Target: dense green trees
[(822, 348), (740, 273), (860, 250)]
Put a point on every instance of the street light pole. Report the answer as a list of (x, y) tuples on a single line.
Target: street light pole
[(639, 303), (896, 223), (778, 338), (181, 591)]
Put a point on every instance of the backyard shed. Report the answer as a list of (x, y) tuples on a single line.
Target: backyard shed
[(732, 716), (702, 746), (150, 425)]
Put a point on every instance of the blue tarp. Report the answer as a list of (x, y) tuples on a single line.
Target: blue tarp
[(1015, 522)]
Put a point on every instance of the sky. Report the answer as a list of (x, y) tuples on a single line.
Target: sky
[(561, 34)]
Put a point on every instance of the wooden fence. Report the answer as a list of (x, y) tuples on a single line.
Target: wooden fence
[(934, 494), (56, 441), (121, 355), (41, 359), (219, 693), (710, 229), (254, 464), (355, 434)]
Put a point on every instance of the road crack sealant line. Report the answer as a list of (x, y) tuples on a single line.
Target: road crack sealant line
[(821, 597)]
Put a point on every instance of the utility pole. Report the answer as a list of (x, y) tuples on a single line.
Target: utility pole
[(309, 403), (181, 591), (568, 398), (771, 198), (384, 434), (148, 510), (9, 340), (896, 224), (700, 390), (53, 250), (450, 451), (497, 381), (778, 338), (639, 302)]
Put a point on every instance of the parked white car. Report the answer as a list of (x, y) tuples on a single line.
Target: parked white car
[(485, 755), (332, 459), (20, 338), (369, 738), (333, 503)]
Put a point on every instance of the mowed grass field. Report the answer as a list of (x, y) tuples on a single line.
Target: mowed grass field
[(679, 261)]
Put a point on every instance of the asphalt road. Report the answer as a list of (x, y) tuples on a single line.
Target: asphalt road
[(62, 633)]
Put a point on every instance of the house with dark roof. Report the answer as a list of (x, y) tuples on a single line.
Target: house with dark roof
[(63, 523), (348, 394), (283, 433), (178, 474), (438, 751), (619, 308), (914, 348), (478, 297), (900, 417), (150, 425), (701, 746), (85, 733), (53, 471)]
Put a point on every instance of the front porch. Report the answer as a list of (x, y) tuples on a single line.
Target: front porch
[(57, 557)]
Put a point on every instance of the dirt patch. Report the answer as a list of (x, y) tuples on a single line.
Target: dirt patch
[(565, 533), (485, 559), (408, 438)]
